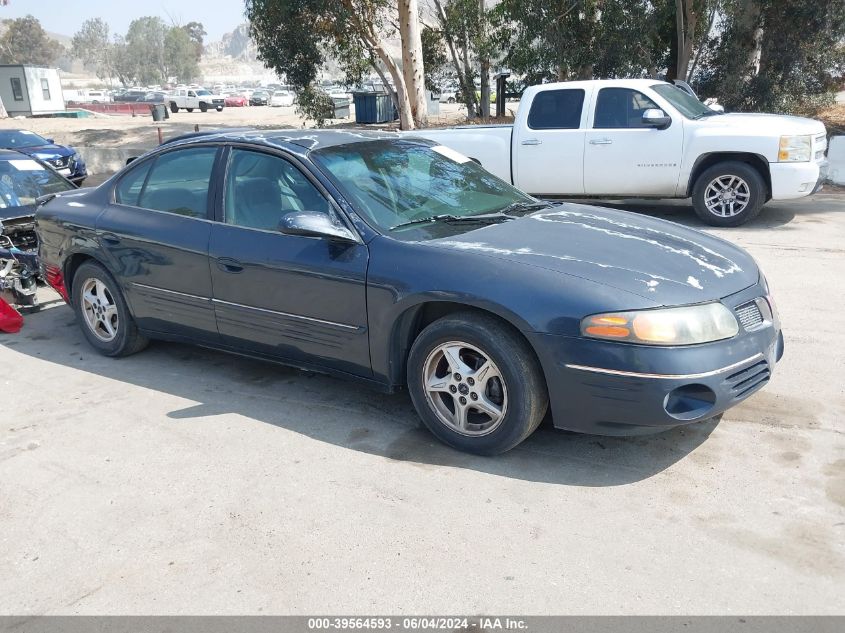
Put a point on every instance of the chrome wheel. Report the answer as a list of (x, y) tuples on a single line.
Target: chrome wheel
[(100, 310), (465, 388), (727, 196)]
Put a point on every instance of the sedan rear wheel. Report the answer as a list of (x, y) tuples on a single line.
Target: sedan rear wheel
[(476, 383), (102, 312)]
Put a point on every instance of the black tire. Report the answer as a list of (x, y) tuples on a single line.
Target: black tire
[(203, 107), (127, 339), (450, 100), (525, 388), (220, 108), (189, 109), (755, 183), (173, 107)]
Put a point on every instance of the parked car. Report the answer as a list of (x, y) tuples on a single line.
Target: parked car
[(399, 262), (23, 179), (155, 97), (282, 98), (448, 96), (647, 138), (259, 98), (236, 101), (191, 99), (65, 160), (130, 96)]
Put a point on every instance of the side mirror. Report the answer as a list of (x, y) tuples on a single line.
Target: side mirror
[(314, 224), (50, 140), (131, 159), (656, 118)]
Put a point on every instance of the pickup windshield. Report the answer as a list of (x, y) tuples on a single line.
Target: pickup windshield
[(394, 184), (683, 102)]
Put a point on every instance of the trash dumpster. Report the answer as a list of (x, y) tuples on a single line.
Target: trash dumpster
[(341, 107), (373, 107), (159, 112)]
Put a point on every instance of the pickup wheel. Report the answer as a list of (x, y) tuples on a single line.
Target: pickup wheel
[(189, 109), (203, 107), (476, 383), (102, 312), (173, 107), (220, 108), (729, 194)]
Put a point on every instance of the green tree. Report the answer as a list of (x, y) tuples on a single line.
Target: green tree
[(196, 32), (179, 55), (459, 24), (26, 42), (777, 55), (145, 40), (92, 45), (295, 37), (124, 62), (434, 56)]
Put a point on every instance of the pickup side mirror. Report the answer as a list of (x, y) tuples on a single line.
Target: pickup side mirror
[(314, 224), (656, 118)]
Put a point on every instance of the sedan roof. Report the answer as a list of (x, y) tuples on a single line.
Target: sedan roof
[(308, 139)]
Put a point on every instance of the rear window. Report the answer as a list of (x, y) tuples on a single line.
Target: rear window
[(557, 110)]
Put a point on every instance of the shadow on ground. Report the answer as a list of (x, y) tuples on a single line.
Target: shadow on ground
[(344, 413)]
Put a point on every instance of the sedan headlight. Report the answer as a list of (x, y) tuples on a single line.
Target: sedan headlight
[(687, 325), (795, 149)]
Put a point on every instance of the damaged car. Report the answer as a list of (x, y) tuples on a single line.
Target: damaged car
[(401, 263), (23, 181)]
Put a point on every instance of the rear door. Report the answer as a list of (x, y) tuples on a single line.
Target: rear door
[(289, 296), (548, 149), (622, 156), (156, 236)]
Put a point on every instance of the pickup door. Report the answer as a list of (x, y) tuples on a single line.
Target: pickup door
[(548, 145), (624, 156)]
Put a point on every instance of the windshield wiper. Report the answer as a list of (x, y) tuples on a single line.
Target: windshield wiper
[(524, 207), (449, 218)]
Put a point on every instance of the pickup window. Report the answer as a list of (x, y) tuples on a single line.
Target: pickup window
[(618, 108), (556, 110)]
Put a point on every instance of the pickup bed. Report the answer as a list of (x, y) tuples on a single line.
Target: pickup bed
[(642, 138)]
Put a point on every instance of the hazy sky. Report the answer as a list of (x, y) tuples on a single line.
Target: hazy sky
[(66, 16)]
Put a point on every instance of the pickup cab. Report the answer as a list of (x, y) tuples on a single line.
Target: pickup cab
[(642, 138), (190, 98)]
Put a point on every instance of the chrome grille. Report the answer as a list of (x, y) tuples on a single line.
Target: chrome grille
[(749, 315), (743, 383)]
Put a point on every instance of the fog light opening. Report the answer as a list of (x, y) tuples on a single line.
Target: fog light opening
[(689, 402)]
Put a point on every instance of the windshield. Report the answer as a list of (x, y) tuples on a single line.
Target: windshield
[(395, 182), (684, 102), (20, 138), (23, 180), (203, 92)]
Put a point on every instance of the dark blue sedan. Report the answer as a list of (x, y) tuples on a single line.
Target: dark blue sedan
[(400, 263), (65, 160)]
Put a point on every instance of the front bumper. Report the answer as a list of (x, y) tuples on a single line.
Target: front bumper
[(796, 180), (608, 388)]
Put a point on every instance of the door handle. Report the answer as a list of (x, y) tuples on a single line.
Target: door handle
[(110, 238), (532, 141), (601, 141), (229, 265)]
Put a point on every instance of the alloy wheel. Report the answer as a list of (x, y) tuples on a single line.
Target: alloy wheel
[(465, 388), (100, 310), (727, 196)]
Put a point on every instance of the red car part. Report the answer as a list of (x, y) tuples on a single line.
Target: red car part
[(56, 281), (11, 320)]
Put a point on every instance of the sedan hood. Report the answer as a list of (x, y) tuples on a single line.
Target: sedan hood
[(654, 259), (47, 150)]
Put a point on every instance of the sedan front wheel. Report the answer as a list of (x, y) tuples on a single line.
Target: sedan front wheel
[(476, 383)]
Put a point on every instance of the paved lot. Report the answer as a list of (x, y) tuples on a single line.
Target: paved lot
[(187, 481)]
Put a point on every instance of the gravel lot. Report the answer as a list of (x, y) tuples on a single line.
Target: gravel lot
[(183, 480)]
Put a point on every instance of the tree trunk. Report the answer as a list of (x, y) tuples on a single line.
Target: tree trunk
[(483, 62), (464, 82), (412, 59), (406, 115)]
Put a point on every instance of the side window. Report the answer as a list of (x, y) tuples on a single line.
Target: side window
[(17, 91), (261, 188), (178, 182), (556, 110), (45, 89), (129, 187), (620, 108)]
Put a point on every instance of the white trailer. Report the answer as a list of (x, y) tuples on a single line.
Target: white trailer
[(28, 90)]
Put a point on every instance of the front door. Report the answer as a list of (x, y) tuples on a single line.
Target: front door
[(548, 151), (293, 297), (622, 156), (156, 237)]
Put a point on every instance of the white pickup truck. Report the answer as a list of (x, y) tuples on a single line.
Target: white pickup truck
[(190, 98), (641, 138)]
